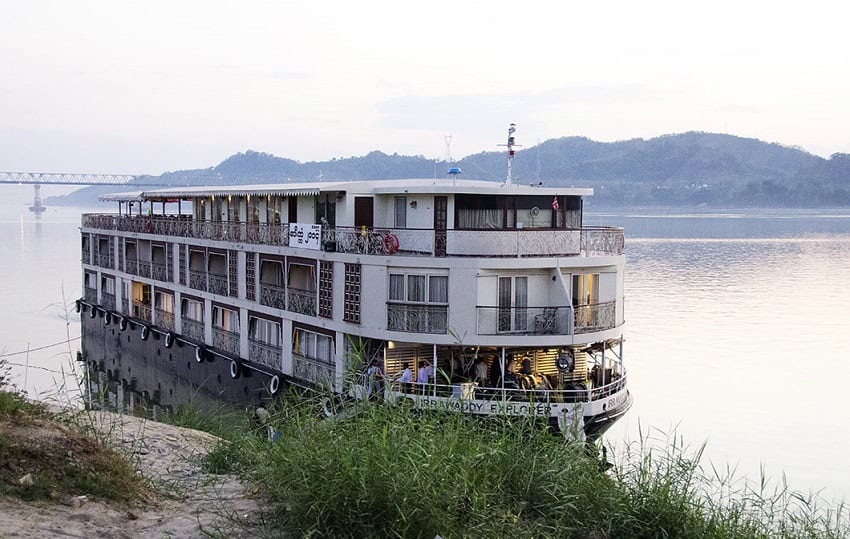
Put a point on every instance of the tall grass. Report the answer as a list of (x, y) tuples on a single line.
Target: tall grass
[(393, 472)]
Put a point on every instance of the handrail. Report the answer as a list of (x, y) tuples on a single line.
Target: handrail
[(523, 242), (546, 320)]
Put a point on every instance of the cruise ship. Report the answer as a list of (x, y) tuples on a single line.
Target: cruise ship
[(482, 297)]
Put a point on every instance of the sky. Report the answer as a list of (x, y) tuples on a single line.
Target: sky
[(146, 87)]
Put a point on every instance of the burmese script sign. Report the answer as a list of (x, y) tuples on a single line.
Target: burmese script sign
[(305, 236)]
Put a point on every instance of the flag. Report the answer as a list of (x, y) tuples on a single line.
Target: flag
[(555, 204)]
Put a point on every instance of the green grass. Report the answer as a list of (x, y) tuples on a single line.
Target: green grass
[(392, 472)]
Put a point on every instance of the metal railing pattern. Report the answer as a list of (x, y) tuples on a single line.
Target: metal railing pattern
[(107, 300), (104, 260), (417, 318), (595, 317), (142, 311), (313, 370), (164, 319), (159, 272), (193, 329), (198, 280), (273, 296), (301, 301), (587, 241), (90, 294), (132, 266), (546, 320), (226, 341), (218, 284), (265, 353)]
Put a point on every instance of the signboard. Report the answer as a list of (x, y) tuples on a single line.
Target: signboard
[(305, 236)]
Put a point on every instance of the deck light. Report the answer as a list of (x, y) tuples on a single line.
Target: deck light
[(391, 345)]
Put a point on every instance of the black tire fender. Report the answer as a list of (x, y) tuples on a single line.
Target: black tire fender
[(145, 332), (235, 369), (169, 339)]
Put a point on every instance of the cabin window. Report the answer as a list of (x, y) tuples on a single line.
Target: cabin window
[(326, 208), (193, 309), (473, 212), (264, 331), (107, 285), (419, 287), (400, 212), (513, 303), (312, 345), (271, 272), (302, 277), (585, 289), (225, 319), (164, 302)]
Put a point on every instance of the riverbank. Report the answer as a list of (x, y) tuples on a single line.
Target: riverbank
[(178, 498)]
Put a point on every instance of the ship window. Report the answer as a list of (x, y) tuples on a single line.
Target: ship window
[(193, 310), (164, 302), (302, 277), (419, 288), (400, 212), (326, 208), (312, 345), (396, 287), (107, 285), (438, 289), (271, 272), (416, 288), (264, 331), (226, 319)]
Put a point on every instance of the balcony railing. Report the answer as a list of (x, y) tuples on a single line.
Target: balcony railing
[(90, 294), (301, 301), (417, 318), (273, 296), (104, 260), (193, 329), (107, 300), (86, 255), (144, 268), (546, 320), (226, 341), (164, 319), (264, 353), (142, 311), (159, 272), (132, 266), (218, 284), (313, 370), (198, 280), (525, 242)]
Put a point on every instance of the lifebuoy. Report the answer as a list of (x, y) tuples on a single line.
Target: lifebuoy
[(391, 244), (78, 305), (235, 369), (200, 354), (145, 333), (169, 339), (149, 226), (122, 323), (107, 318), (274, 385), (93, 312)]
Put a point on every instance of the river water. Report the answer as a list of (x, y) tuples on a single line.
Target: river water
[(738, 328)]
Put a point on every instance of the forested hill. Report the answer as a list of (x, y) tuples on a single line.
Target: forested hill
[(685, 169)]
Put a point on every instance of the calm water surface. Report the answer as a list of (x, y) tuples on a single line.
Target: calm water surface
[(738, 328)]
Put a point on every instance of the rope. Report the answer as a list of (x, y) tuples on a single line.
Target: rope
[(39, 348)]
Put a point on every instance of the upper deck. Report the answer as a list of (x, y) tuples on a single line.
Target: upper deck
[(406, 217)]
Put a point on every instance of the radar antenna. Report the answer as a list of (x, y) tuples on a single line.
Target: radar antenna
[(511, 152)]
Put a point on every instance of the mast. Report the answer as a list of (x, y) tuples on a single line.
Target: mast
[(511, 152)]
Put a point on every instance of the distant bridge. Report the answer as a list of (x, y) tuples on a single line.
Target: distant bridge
[(62, 178)]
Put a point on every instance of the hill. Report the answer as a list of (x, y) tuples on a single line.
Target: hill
[(691, 168)]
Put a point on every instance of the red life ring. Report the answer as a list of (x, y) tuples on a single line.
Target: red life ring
[(391, 244)]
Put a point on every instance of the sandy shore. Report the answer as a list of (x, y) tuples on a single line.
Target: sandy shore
[(195, 504)]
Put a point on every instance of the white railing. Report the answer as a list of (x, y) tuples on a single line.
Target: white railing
[(313, 370), (226, 341), (586, 241), (417, 318)]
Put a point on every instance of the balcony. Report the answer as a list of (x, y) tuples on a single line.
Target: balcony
[(273, 296), (144, 269), (527, 242), (264, 353), (104, 260), (301, 301), (90, 294), (218, 284), (165, 319), (417, 317), (198, 280), (313, 370), (226, 341), (142, 311), (108, 300), (132, 267), (86, 256), (193, 329), (546, 320), (159, 272)]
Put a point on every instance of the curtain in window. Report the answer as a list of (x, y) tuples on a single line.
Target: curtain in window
[(520, 303), (475, 218), (416, 288), (323, 348), (396, 287), (543, 219), (400, 212), (438, 290)]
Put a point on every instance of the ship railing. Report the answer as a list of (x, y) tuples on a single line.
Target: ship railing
[(301, 301), (272, 296), (520, 242), (107, 300), (90, 294), (193, 329), (104, 260), (265, 353), (313, 370), (142, 311), (164, 319), (132, 267), (218, 284), (226, 341), (86, 256), (550, 320), (198, 280), (541, 394), (144, 269), (159, 271), (417, 317)]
